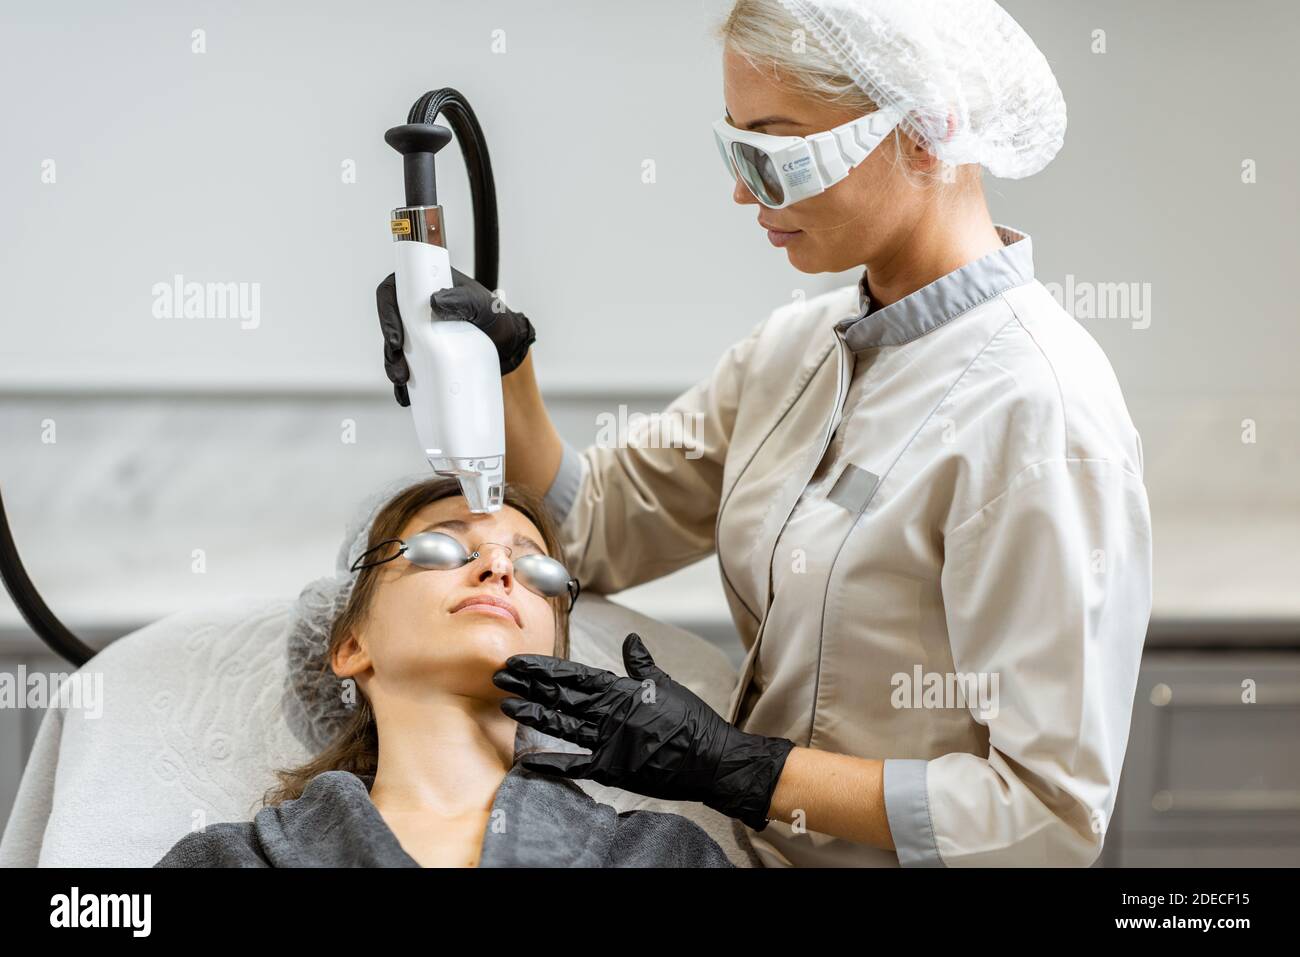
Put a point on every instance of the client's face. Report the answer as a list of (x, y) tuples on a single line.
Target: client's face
[(454, 629)]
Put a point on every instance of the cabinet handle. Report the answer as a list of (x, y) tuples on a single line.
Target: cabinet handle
[(1162, 696), (1209, 802)]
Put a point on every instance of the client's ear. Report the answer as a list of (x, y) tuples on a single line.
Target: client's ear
[(350, 658)]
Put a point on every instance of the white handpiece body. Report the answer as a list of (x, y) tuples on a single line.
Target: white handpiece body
[(455, 381)]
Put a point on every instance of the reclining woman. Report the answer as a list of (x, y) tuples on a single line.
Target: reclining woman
[(423, 769)]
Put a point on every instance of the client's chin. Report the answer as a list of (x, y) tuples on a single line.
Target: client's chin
[(482, 648)]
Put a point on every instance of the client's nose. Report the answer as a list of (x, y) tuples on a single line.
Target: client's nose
[(496, 564)]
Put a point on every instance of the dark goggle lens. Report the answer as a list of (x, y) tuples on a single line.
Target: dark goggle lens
[(759, 174)]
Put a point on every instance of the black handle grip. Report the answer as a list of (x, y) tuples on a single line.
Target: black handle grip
[(418, 142)]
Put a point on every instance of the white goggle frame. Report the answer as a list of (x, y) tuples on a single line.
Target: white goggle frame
[(782, 170)]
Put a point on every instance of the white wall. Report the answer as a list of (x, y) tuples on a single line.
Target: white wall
[(227, 167)]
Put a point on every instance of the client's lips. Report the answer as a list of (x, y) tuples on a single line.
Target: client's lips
[(491, 602)]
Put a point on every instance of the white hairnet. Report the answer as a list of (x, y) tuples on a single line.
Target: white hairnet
[(933, 60), (317, 703)]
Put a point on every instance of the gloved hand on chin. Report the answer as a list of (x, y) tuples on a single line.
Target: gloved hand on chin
[(646, 732)]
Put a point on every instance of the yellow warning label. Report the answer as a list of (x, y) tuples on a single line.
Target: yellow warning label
[(401, 227)]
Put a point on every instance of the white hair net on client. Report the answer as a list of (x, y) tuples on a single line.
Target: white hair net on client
[(317, 703), (964, 62)]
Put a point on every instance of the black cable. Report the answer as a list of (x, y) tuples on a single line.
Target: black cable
[(482, 187), (32, 606)]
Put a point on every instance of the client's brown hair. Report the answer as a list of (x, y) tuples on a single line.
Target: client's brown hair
[(356, 747)]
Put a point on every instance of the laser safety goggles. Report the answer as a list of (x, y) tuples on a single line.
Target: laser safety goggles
[(540, 574), (782, 170)]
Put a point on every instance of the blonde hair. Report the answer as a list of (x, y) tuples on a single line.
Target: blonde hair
[(773, 42)]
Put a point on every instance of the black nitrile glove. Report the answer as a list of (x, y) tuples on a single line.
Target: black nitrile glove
[(468, 300), (646, 732), (390, 323)]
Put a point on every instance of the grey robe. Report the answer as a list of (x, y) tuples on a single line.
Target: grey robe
[(537, 820)]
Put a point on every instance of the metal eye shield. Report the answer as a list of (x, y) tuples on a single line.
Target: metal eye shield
[(540, 574)]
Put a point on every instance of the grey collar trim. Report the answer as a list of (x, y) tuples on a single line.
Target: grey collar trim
[(944, 299)]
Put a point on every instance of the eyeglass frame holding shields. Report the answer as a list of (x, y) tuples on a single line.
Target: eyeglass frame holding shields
[(441, 552)]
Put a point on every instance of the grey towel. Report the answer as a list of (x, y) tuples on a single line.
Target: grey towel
[(537, 821)]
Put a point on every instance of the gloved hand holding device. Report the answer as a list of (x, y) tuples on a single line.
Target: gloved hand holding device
[(468, 300), (646, 732)]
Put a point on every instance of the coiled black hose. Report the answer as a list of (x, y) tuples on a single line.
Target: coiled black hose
[(482, 188)]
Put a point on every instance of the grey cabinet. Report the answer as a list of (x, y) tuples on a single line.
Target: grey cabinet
[(18, 726), (1212, 772)]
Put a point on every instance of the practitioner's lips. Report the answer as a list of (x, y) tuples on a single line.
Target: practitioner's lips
[(779, 237)]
